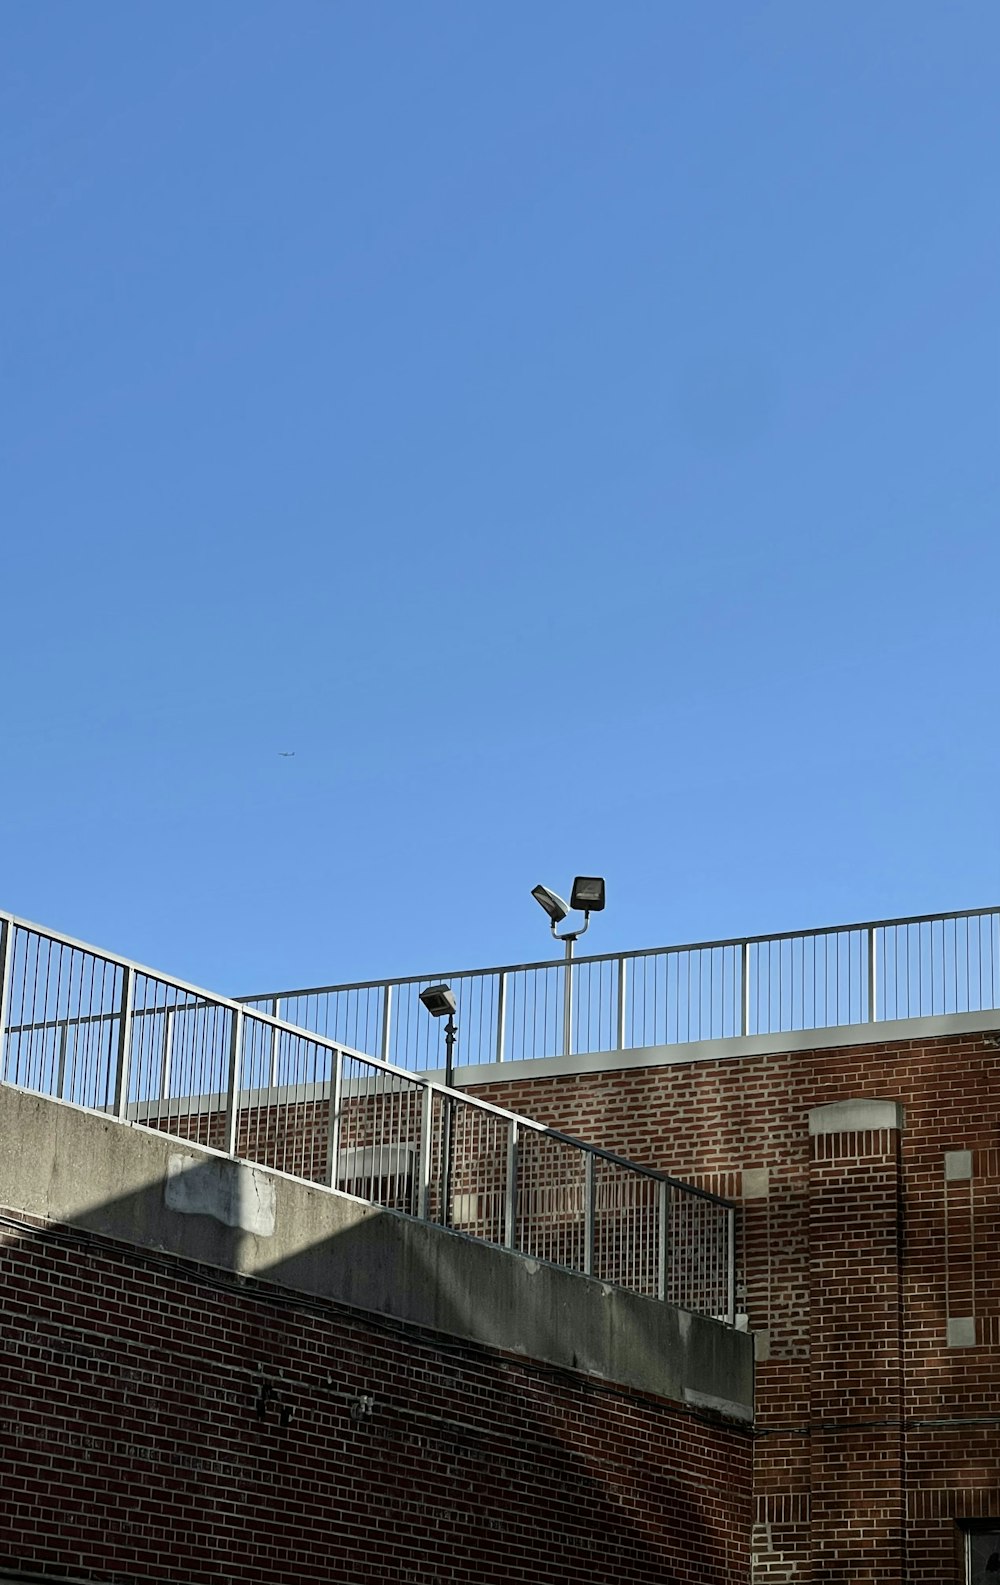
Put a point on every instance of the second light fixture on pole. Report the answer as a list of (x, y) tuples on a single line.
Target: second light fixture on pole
[(587, 897)]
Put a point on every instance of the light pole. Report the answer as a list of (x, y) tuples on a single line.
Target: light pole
[(439, 1001), (587, 897)]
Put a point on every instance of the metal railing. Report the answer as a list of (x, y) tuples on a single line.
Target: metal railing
[(662, 996), (84, 1026)]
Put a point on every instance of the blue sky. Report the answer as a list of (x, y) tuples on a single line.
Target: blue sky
[(571, 429)]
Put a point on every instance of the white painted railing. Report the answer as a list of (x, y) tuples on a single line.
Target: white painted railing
[(713, 990), (85, 1026)]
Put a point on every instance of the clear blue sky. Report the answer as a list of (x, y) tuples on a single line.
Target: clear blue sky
[(571, 429)]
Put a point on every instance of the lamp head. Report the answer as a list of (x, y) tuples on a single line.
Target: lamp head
[(553, 904), (587, 895), (439, 1000)]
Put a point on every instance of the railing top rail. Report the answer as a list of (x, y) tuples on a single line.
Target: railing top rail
[(209, 998), (614, 957), (15, 921)]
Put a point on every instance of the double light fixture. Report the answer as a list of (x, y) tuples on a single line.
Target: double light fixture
[(587, 897)]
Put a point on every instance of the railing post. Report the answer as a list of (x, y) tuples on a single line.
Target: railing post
[(426, 1153), (386, 1034), (745, 989), (61, 1071), (167, 1057), (275, 1041), (663, 1272), (622, 994), (6, 958), (510, 1197), (333, 1120), (233, 1091), (588, 1215), (124, 1053), (501, 1040), (872, 974)]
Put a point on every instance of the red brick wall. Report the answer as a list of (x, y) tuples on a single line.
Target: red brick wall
[(162, 1422), (875, 1435)]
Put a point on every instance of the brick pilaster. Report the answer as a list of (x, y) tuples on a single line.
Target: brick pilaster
[(855, 1357)]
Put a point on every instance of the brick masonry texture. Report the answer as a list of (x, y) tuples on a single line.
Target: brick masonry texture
[(161, 1421), (870, 1277)]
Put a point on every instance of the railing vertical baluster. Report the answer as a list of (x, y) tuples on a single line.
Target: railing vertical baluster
[(622, 1003), (872, 974), (6, 959), (745, 989), (386, 1034), (510, 1197), (663, 1253), (333, 1120), (233, 1085), (501, 1034), (588, 1214), (123, 1056)]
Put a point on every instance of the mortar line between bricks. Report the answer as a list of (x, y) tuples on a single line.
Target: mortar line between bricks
[(940, 1422)]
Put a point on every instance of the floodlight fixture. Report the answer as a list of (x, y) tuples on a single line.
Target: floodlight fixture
[(553, 904), (439, 1000), (587, 895)]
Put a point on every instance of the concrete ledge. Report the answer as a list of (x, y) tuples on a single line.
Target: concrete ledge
[(142, 1187), (883, 1032)]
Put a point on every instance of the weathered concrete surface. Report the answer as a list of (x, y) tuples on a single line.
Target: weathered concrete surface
[(234, 1193), (139, 1186)]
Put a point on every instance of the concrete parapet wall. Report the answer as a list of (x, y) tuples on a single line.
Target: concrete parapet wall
[(139, 1186)]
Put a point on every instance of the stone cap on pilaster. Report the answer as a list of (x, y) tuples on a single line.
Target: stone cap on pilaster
[(855, 1117)]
